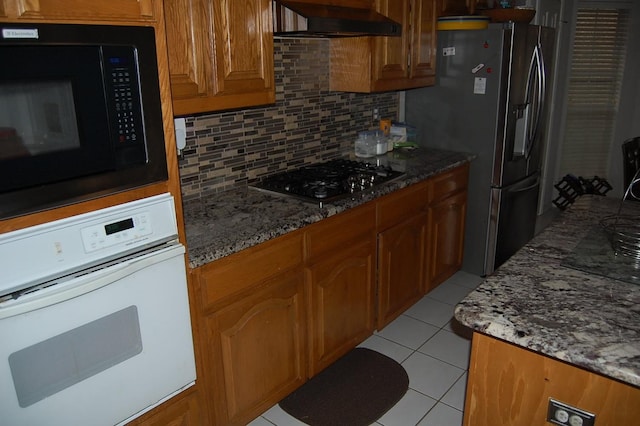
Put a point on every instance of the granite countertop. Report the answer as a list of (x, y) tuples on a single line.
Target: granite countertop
[(226, 223), (584, 313)]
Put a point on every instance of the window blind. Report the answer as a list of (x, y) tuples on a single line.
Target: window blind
[(597, 66)]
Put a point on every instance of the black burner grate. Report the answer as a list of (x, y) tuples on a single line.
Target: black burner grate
[(328, 181)]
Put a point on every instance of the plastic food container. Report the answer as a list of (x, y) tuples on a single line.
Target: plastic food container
[(366, 145)]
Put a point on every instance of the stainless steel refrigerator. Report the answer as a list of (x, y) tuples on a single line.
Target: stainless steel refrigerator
[(490, 99)]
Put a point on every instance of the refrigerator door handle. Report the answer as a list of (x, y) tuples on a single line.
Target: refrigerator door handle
[(528, 121), (522, 113), (541, 89)]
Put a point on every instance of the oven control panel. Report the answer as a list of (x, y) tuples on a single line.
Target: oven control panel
[(54, 249), (121, 231)]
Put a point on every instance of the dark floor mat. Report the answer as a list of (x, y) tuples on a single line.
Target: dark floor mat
[(355, 390)]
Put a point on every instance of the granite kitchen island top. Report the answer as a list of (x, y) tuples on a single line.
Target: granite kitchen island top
[(544, 300), (226, 223)]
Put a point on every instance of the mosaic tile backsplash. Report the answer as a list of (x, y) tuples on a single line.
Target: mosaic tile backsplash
[(307, 124)]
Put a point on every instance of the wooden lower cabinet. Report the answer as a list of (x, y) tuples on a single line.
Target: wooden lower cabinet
[(340, 263), (401, 267), (341, 313), (274, 315), (511, 386), (447, 213), (446, 238), (420, 240), (256, 349)]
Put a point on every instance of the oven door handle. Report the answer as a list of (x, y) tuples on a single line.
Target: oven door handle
[(86, 283)]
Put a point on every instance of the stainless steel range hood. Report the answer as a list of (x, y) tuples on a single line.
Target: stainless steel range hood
[(297, 19)]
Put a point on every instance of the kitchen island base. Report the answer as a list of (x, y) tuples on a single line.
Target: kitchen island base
[(509, 385)]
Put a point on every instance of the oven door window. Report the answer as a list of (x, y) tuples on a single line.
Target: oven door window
[(59, 362), (54, 118)]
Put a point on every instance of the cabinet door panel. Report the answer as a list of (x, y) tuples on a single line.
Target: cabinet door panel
[(391, 56), (189, 40), (424, 39), (401, 263), (257, 349), (446, 238), (342, 313), (244, 46), (86, 10)]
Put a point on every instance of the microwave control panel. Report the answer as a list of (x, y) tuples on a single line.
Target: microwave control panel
[(123, 91)]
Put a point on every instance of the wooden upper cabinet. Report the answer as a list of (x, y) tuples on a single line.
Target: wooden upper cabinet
[(377, 64), (220, 54), (117, 10)]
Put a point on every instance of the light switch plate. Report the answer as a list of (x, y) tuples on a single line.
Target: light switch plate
[(181, 133)]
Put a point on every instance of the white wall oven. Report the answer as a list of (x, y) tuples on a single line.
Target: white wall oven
[(80, 114), (94, 317)]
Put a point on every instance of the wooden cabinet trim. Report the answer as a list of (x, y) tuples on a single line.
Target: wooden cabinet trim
[(183, 409), (113, 10)]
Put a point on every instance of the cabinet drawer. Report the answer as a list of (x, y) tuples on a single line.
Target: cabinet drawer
[(443, 185), (340, 230), (238, 272), (398, 206)]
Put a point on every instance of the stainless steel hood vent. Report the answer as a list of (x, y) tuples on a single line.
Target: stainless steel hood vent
[(296, 19)]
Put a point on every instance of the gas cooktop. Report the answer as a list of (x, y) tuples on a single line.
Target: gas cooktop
[(329, 181)]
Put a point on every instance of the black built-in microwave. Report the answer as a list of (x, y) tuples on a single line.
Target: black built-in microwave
[(80, 114)]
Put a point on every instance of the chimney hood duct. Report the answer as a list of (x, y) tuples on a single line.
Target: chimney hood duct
[(297, 19)]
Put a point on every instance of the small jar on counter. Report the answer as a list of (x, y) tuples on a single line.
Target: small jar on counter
[(381, 142)]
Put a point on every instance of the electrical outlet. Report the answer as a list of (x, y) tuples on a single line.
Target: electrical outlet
[(376, 114), (562, 414)]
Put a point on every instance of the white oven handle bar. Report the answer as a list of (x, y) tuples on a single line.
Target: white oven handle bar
[(87, 283)]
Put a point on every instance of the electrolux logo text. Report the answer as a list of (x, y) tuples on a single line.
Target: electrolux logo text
[(30, 33)]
